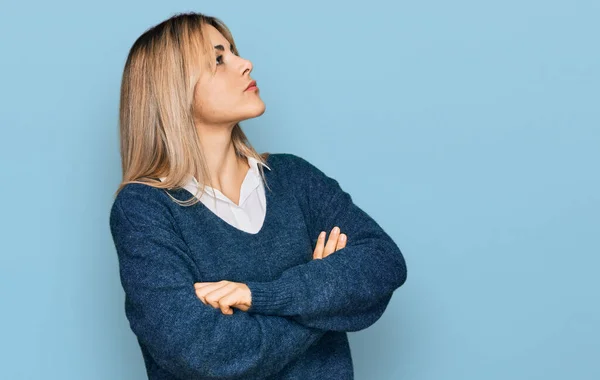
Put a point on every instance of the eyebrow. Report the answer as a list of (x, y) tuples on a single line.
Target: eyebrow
[(221, 48)]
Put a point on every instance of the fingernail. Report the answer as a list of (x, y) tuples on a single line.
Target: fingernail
[(322, 235), (336, 230), (343, 237)]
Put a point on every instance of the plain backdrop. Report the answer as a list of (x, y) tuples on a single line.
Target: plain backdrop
[(468, 129)]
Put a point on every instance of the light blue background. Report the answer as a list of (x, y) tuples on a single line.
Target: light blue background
[(468, 129)]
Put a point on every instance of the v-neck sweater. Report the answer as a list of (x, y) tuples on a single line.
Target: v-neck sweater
[(249, 213), (301, 308)]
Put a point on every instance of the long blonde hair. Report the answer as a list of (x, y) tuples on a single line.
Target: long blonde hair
[(157, 131)]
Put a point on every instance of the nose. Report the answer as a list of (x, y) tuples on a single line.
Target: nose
[(246, 66)]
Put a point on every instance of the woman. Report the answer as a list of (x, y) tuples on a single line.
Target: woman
[(216, 254)]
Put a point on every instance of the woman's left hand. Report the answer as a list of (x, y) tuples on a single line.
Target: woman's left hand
[(224, 295)]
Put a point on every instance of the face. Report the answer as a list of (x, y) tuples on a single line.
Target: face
[(222, 99)]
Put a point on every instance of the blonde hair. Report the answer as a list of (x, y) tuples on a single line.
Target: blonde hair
[(158, 136)]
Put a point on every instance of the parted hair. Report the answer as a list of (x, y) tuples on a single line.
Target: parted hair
[(158, 137)]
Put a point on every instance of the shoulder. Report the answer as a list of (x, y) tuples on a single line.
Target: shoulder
[(303, 175), (138, 203), (136, 193), (292, 163)]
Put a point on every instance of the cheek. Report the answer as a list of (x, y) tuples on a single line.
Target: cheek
[(219, 97), (208, 103), (217, 107)]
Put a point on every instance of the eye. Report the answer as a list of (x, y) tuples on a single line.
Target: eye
[(220, 58)]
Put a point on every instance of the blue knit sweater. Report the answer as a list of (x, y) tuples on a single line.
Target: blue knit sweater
[(301, 308)]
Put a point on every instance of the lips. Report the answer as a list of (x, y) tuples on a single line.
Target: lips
[(252, 84)]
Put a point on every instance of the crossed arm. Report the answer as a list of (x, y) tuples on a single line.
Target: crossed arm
[(345, 291)]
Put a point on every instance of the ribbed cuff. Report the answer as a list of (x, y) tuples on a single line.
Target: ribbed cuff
[(272, 298)]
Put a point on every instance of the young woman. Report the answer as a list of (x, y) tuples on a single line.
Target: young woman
[(224, 264)]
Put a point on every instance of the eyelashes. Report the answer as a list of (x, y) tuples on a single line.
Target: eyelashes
[(220, 58)]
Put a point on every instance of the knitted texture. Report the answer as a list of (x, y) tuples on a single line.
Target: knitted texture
[(302, 309)]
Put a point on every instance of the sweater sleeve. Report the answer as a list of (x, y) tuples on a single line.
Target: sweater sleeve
[(347, 290), (186, 337), (355, 320)]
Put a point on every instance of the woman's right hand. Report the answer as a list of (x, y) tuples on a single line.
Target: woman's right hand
[(336, 242)]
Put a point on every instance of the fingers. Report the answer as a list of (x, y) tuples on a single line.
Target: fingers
[(212, 292), (224, 295), (318, 252), (336, 242), (341, 242), (229, 300), (332, 242)]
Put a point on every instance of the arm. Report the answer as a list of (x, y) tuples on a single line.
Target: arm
[(347, 290), (184, 336), (355, 320)]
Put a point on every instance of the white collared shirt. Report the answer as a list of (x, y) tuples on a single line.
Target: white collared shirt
[(250, 214)]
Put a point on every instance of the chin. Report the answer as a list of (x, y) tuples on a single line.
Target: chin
[(255, 112), (262, 110)]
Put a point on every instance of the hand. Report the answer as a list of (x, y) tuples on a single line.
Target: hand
[(336, 242), (224, 295)]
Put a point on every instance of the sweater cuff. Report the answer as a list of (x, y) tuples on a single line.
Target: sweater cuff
[(273, 298)]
